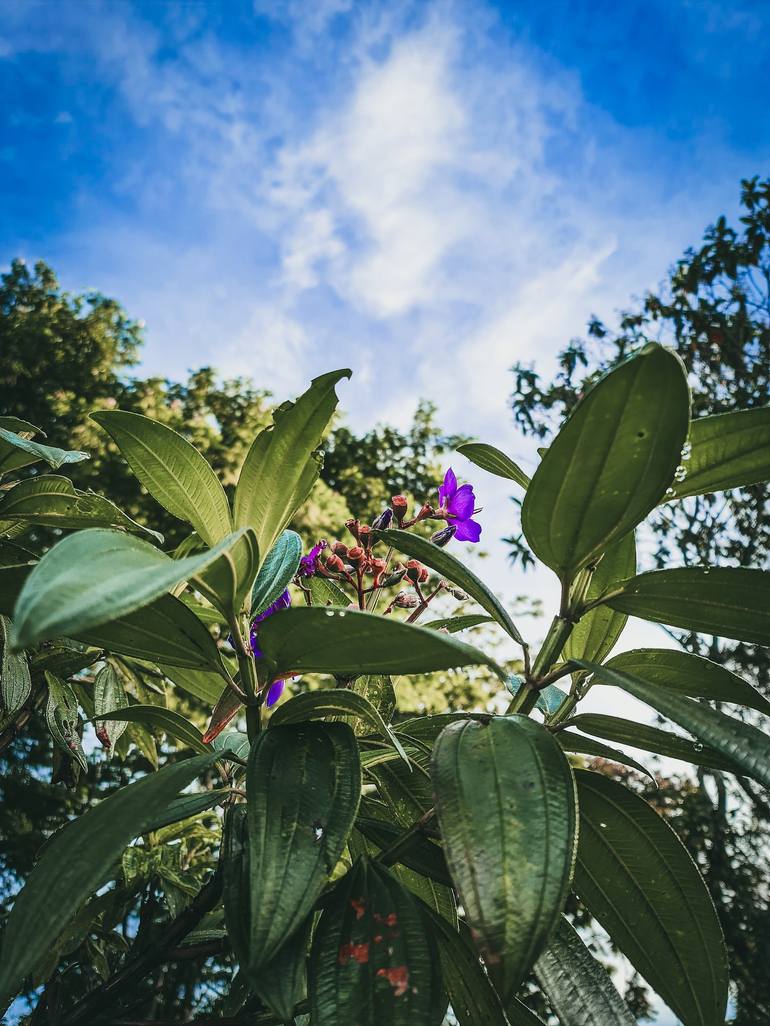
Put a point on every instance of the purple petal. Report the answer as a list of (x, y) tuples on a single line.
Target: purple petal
[(307, 565), (448, 488), (274, 692), (468, 530), (462, 503), (254, 642), (282, 602)]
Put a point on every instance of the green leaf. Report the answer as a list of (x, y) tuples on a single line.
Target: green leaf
[(425, 729), (423, 856), (17, 452), (377, 689), (448, 566), (109, 694), (63, 720), (611, 463), (505, 799), (227, 582), (596, 632), (326, 593), (638, 880), (578, 988), (572, 742), (732, 602), (15, 680), (493, 460), (303, 784), (276, 571), (77, 862), (203, 684), (97, 576), (747, 747), (728, 450), (316, 705), (282, 983), (372, 956), (652, 739), (173, 723), (172, 471), (348, 642), (454, 624), (53, 501), (407, 792), (280, 468), (165, 631), (187, 806), (689, 675), (235, 880)]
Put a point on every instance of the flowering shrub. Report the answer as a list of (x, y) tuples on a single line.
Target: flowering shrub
[(363, 868)]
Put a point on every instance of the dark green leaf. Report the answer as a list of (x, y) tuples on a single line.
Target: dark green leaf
[(63, 720), (187, 806), (95, 577), (637, 879), (423, 857), (17, 452), (76, 863), (173, 723), (448, 566), (326, 593), (453, 624), (689, 675), (109, 694), (728, 450), (348, 642), (611, 462), (578, 987), (372, 957), (15, 681), (203, 684), (505, 799), (277, 570), (235, 881), (282, 983), (493, 460), (280, 468), (572, 742), (595, 634), (378, 690), (304, 785), (226, 583), (471, 995), (172, 471), (732, 602)]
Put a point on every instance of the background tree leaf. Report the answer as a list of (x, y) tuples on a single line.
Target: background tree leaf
[(17, 452)]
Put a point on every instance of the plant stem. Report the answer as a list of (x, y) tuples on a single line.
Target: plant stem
[(526, 700), (403, 843)]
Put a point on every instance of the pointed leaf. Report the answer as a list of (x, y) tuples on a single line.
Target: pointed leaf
[(732, 602), (371, 961), (611, 463), (109, 694), (168, 720), (689, 675), (304, 785), (326, 593), (235, 880), (348, 642), (96, 576), (276, 572), (187, 806), (596, 632), (226, 583), (505, 799), (728, 450), (172, 471), (448, 566), (227, 706), (75, 864), (493, 460), (572, 742), (17, 452), (578, 987), (15, 680), (453, 624), (638, 880), (280, 469), (282, 983), (203, 684)]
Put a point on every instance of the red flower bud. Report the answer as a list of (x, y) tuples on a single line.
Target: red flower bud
[(414, 571), (335, 564), (365, 535), (399, 504), (339, 549), (356, 555), (353, 526)]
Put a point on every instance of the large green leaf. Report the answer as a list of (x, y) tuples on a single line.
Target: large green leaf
[(638, 880), (97, 576), (611, 462), (165, 631), (372, 960), (77, 862), (304, 785), (15, 680), (595, 634), (732, 602), (746, 746), (172, 471), (168, 720), (578, 987), (17, 452), (277, 570), (505, 799), (689, 675), (316, 705), (53, 501), (471, 995), (448, 566), (280, 467), (653, 739), (728, 450), (227, 582), (282, 983), (493, 460), (349, 642)]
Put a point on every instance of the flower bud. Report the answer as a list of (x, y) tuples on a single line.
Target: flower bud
[(399, 505), (406, 600), (339, 549), (414, 569), (353, 527), (444, 536), (365, 535), (457, 593), (382, 522), (394, 578), (377, 568), (334, 563), (356, 555)]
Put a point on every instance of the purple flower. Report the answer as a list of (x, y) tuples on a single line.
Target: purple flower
[(275, 690), (458, 505), (307, 565)]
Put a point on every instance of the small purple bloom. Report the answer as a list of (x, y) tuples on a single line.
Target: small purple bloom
[(282, 602), (458, 504), (307, 565), (274, 692)]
